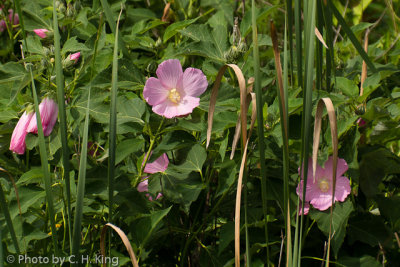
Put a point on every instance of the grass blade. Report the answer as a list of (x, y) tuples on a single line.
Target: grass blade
[(351, 36), (283, 108), (6, 213), (113, 25), (113, 124), (63, 116), (299, 45), (45, 168), (260, 124)]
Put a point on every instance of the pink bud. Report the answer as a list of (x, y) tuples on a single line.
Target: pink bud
[(48, 113), (42, 33), (3, 25), (75, 57), (14, 18), (17, 143)]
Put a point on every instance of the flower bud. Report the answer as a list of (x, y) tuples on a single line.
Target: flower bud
[(17, 143), (42, 33), (48, 109), (71, 60)]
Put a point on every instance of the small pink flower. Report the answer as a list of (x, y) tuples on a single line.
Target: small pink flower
[(319, 188), (361, 123), (3, 25), (17, 143), (174, 93), (48, 113), (143, 186), (14, 18), (42, 33), (75, 57), (159, 165)]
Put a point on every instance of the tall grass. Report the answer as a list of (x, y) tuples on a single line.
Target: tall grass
[(260, 122), (62, 115)]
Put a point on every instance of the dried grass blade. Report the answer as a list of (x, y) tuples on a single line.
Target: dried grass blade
[(320, 38), (124, 239), (250, 83), (243, 96), (240, 181), (364, 64), (213, 101), (327, 102)]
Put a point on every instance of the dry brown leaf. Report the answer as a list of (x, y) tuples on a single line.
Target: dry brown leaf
[(124, 239), (320, 38)]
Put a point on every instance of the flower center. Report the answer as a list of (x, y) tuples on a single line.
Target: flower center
[(174, 96), (323, 185)]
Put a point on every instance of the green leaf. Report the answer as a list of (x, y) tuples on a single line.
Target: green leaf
[(127, 147), (72, 45), (178, 187), (341, 213), (175, 27), (369, 229), (195, 159), (32, 176), (148, 224), (374, 166), (364, 261), (173, 140), (346, 86)]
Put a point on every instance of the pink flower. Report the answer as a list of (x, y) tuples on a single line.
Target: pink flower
[(13, 18), (48, 113), (75, 57), (361, 123), (17, 143), (3, 25), (42, 33), (174, 93), (159, 165), (319, 188), (143, 186), (306, 208)]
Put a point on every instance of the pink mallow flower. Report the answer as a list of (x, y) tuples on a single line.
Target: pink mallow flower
[(42, 33), (48, 113), (174, 93), (319, 188), (17, 143), (143, 186), (159, 165)]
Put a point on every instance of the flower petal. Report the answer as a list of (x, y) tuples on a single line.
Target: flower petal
[(343, 188), (169, 72), (341, 168), (154, 92), (318, 171), (143, 186), (306, 208), (170, 110), (321, 201), (48, 109), (17, 143), (193, 82), (159, 165)]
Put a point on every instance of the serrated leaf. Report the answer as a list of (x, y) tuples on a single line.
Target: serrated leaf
[(72, 45)]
